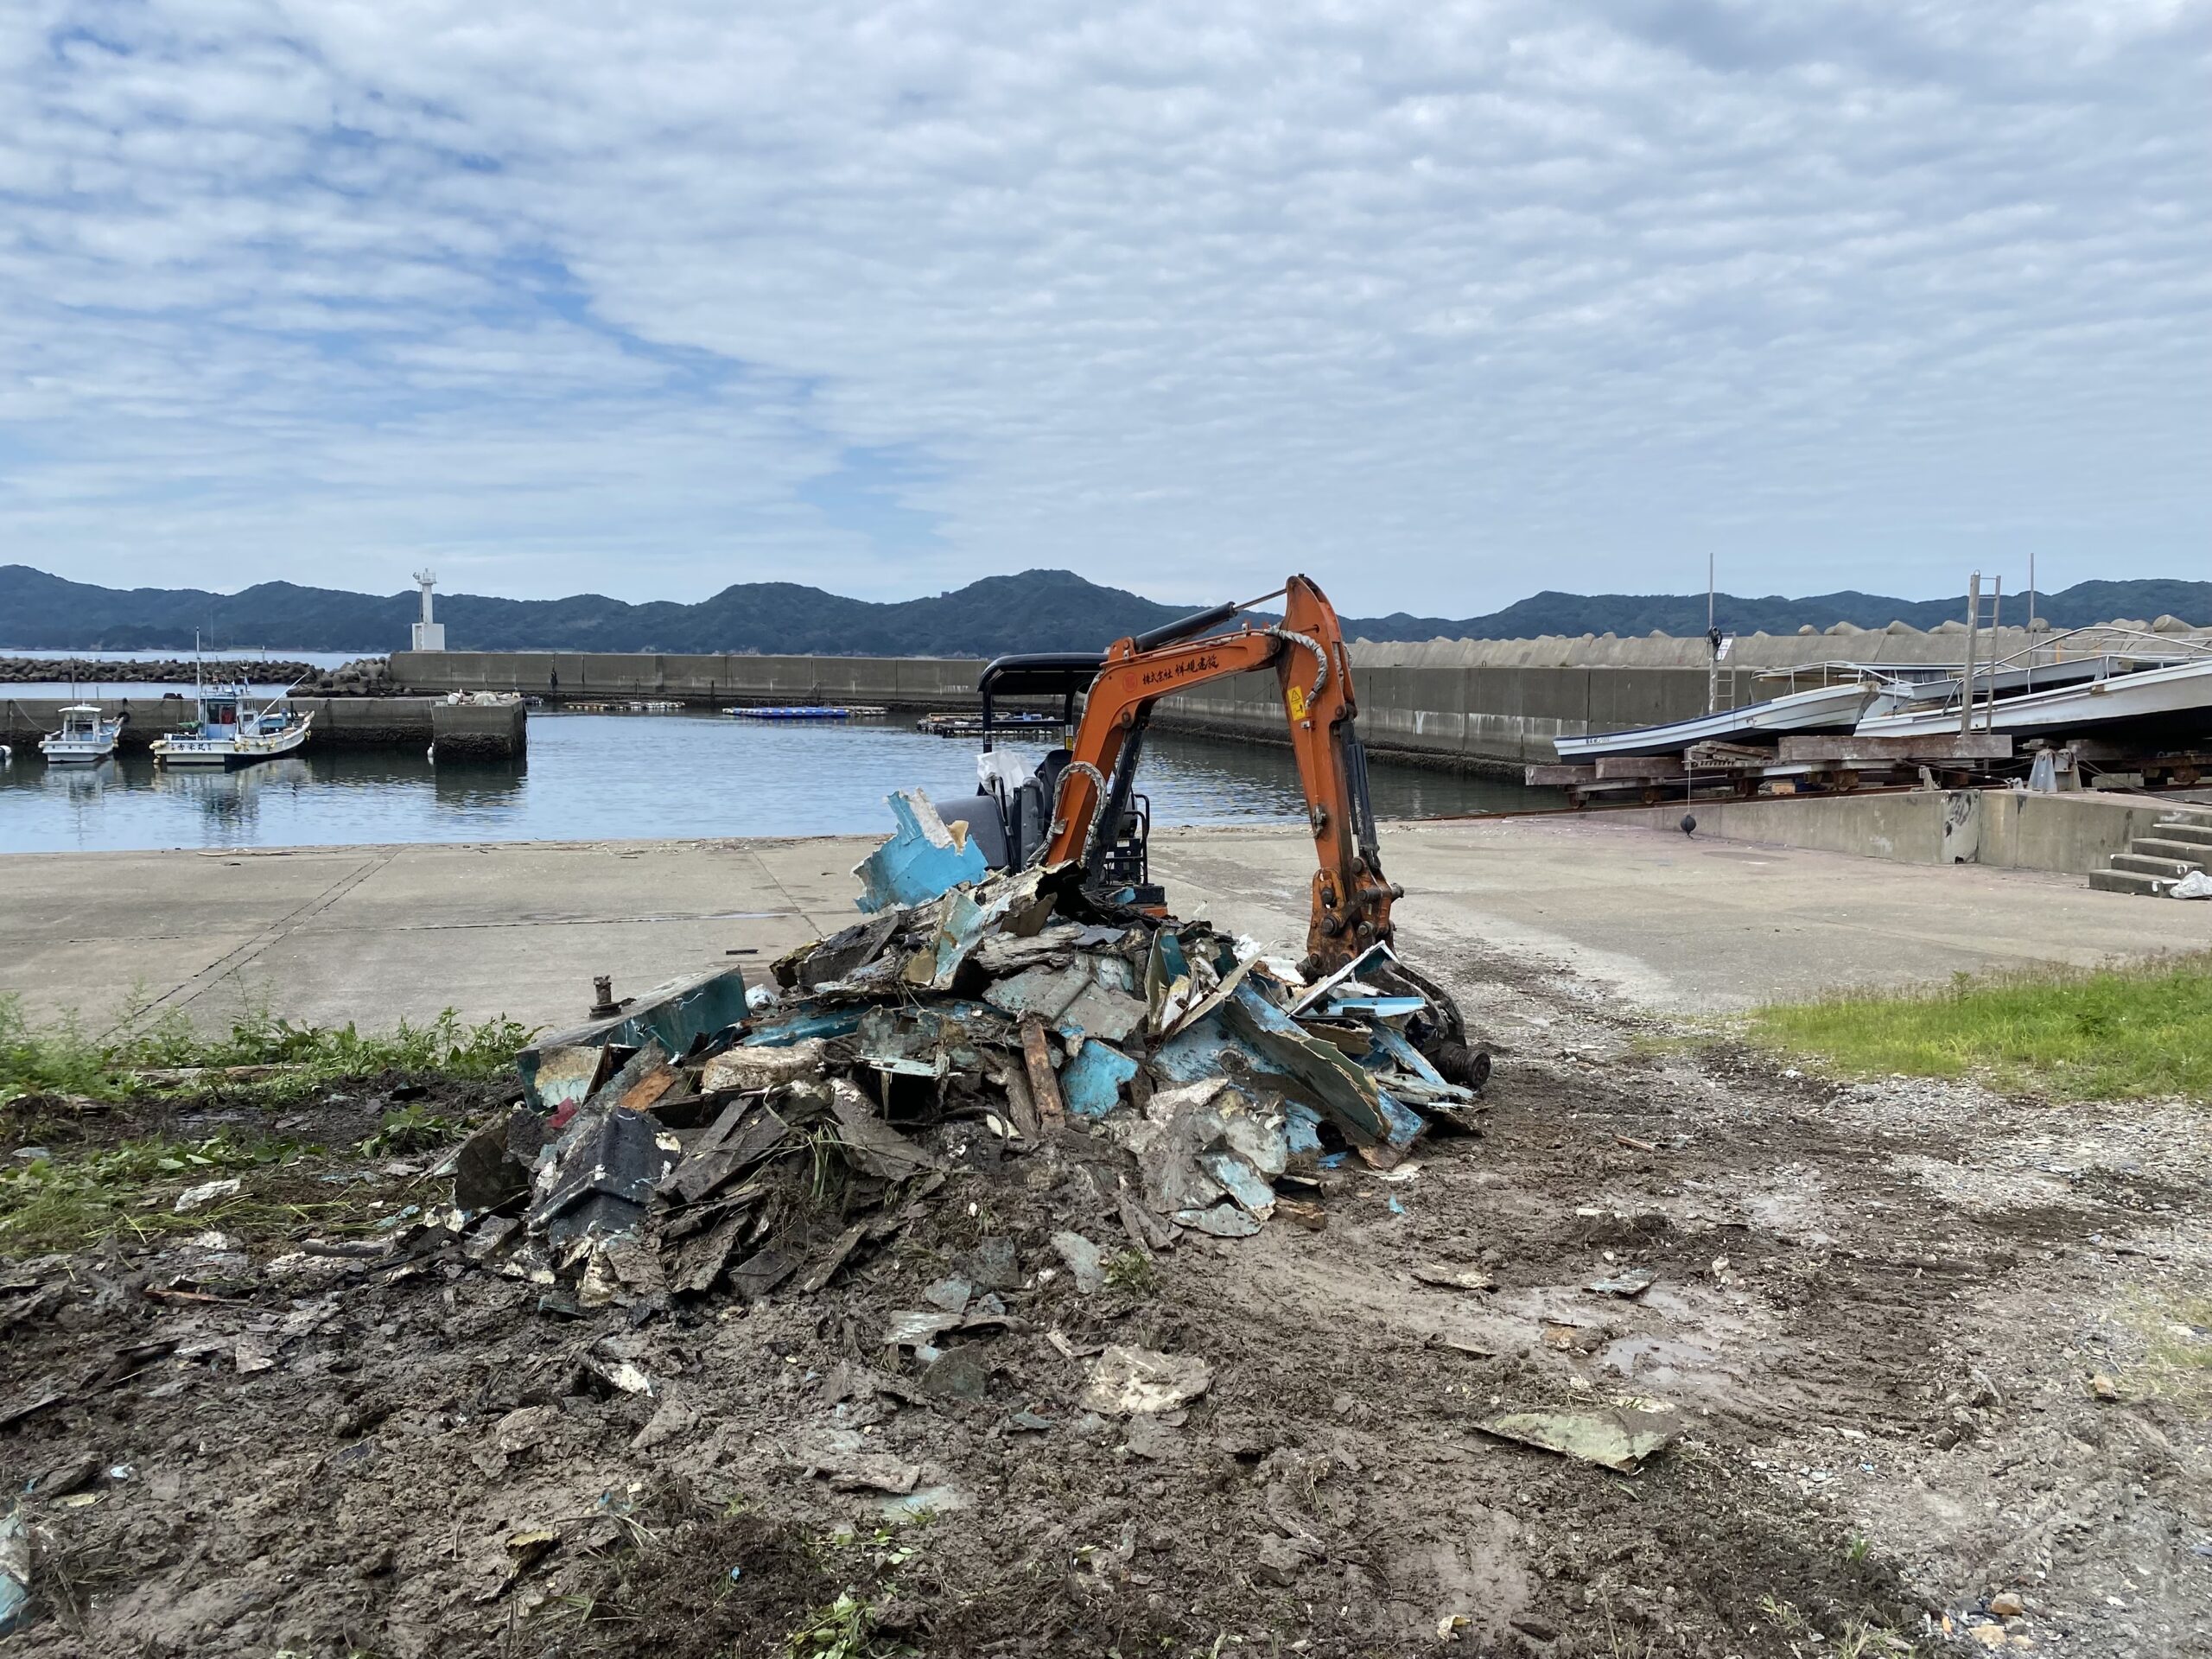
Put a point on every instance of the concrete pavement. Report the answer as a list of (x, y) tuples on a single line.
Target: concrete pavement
[(371, 934)]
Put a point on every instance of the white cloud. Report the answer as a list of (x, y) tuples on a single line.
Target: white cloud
[(1443, 302)]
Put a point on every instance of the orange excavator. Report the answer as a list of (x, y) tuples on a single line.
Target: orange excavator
[(1081, 803)]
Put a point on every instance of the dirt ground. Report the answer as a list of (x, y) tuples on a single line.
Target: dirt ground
[(1922, 1337)]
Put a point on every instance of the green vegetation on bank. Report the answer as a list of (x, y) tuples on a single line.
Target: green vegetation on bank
[(49, 1203), (2121, 1033), (166, 1054), (65, 1194)]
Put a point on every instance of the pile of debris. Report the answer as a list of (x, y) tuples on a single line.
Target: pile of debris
[(691, 1141)]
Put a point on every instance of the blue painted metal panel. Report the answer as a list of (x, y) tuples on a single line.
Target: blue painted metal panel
[(828, 1022), (921, 862), (678, 1013), (1092, 1082)]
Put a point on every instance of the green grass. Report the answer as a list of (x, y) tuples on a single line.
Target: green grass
[(2121, 1033), (66, 1059), (2177, 1336), (52, 1204)]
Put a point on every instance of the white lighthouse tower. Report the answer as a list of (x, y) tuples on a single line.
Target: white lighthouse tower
[(429, 635)]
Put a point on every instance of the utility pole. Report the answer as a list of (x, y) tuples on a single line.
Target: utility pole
[(1966, 683)]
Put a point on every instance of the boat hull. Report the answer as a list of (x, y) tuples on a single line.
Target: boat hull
[(1829, 709), (228, 753), (2163, 701)]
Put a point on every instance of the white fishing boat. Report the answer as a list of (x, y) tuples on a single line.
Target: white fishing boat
[(88, 736), (1825, 709), (2176, 698), (228, 731)]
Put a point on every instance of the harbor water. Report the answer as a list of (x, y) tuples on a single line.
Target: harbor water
[(599, 777)]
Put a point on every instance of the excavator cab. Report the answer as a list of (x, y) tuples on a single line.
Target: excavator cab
[(1011, 815)]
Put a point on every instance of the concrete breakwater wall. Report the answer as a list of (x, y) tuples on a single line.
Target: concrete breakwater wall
[(710, 680), (1477, 704), (460, 730), (1476, 718), (1456, 714)]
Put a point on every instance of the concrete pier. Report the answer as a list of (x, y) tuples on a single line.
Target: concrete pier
[(373, 934)]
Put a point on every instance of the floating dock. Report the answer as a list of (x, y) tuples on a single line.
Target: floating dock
[(808, 711)]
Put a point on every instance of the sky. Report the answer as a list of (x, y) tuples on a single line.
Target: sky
[(1442, 303)]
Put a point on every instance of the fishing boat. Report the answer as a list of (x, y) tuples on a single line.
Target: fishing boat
[(228, 731), (87, 736), (1825, 709), (2175, 699)]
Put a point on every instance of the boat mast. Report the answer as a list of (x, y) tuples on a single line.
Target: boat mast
[(1966, 681)]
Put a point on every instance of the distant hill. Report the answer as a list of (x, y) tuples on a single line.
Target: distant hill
[(1683, 614), (1038, 610)]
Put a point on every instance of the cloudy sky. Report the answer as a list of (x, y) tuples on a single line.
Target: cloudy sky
[(1442, 302)]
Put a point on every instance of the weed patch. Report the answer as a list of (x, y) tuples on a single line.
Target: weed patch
[(279, 1060), (2123, 1032), (51, 1204), (2177, 1363)]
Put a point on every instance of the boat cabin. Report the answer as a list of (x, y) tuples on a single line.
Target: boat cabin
[(80, 724)]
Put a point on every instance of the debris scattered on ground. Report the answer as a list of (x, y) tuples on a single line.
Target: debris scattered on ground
[(1447, 1276), (1619, 1439), (1630, 1282), (1137, 1382), (15, 1566), (199, 1197)]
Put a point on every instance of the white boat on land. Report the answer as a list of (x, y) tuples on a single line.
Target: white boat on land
[(228, 731), (1825, 709), (87, 736), (2178, 696)]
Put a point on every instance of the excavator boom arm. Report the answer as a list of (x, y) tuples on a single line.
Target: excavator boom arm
[(1352, 899)]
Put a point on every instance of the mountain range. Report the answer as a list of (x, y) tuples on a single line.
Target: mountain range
[(1037, 610)]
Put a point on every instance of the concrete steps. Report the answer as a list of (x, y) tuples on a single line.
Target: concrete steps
[(2153, 862), (2148, 887), (2171, 869), (2164, 846)]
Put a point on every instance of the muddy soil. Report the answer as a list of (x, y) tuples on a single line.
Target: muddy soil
[(1915, 1330)]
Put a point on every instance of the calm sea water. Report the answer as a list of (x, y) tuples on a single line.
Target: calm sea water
[(590, 777)]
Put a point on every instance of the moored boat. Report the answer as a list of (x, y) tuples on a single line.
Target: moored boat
[(88, 736), (228, 731)]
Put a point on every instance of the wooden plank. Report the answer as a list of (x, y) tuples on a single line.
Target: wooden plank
[(1557, 776), (1955, 745), (1725, 757), (1615, 767), (1044, 1087)]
